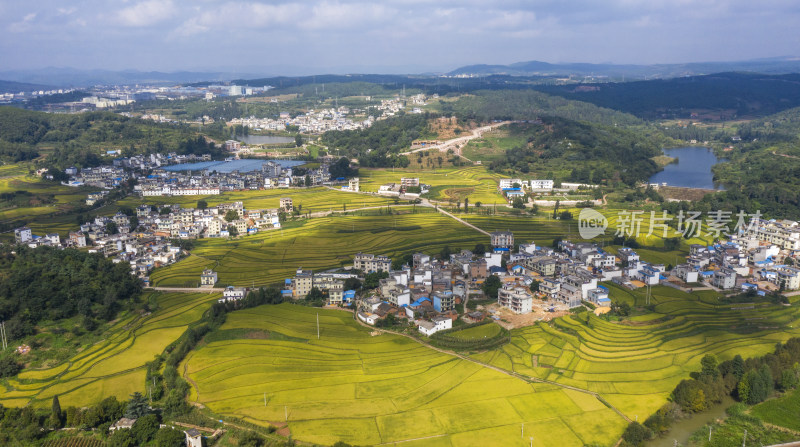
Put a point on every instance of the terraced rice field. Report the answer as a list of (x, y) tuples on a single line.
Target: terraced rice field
[(636, 366), (478, 332), (320, 243), (474, 182), (310, 199), (385, 389), (64, 199), (115, 366)]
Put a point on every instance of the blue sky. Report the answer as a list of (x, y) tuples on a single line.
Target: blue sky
[(387, 35)]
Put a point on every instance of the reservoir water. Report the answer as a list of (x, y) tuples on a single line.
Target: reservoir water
[(692, 170), (682, 430), (264, 139)]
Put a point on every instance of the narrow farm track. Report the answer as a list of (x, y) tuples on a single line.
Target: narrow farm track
[(427, 203), (501, 370)]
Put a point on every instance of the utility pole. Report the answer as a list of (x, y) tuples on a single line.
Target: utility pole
[(531, 441), (709, 433), (744, 438), (522, 431), (317, 325), (265, 399), (286, 413)]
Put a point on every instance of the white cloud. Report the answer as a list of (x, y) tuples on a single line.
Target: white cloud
[(146, 13), (24, 24)]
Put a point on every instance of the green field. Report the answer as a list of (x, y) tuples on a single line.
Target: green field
[(348, 385), (48, 202), (783, 411), (320, 243), (114, 366), (475, 182), (635, 366)]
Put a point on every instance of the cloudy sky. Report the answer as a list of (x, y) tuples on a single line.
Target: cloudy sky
[(387, 35)]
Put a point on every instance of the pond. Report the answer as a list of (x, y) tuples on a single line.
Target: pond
[(682, 430), (692, 169), (264, 139)]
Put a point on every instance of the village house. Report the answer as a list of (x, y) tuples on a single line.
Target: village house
[(435, 325), (502, 240), (372, 263), (515, 298), (208, 278), (232, 293)]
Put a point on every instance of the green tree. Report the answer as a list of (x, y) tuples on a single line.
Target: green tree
[(444, 255), (232, 230), (636, 434), (164, 210), (202, 204), (565, 215), (122, 438), (518, 203), (9, 366), (491, 286), (298, 140), (145, 428), (56, 415), (111, 227), (308, 180), (137, 406), (231, 215), (479, 249), (175, 404), (169, 437), (709, 366), (315, 294), (250, 439), (738, 367)]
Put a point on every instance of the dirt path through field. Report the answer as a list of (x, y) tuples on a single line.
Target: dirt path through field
[(501, 370)]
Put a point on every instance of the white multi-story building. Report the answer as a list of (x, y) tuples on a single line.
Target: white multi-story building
[(515, 298)]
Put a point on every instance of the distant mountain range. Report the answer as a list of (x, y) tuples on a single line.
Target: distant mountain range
[(73, 77), (781, 65), (80, 78), (16, 87)]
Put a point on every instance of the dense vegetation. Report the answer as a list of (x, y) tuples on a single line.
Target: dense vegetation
[(529, 105), (594, 153), (377, 145), (81, 139), (733, 94), (51, 284)]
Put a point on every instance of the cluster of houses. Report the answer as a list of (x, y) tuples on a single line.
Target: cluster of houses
[(122, 169), (313, 121), (409, 188), (147, 244), (535, 278), (208, 182), (513, 188)]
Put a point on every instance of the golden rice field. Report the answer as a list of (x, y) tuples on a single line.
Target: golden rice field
[(115, 366), (320, 243), (370, 390), (309, 199), (474, 182)]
